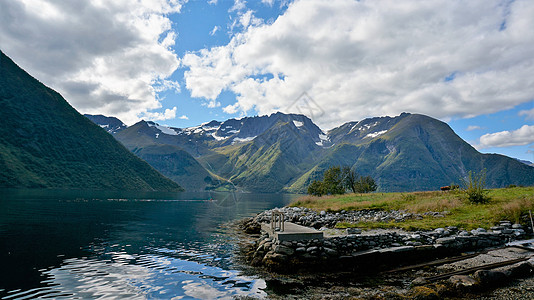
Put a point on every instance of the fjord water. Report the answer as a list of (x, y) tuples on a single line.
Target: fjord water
[(95, 244)]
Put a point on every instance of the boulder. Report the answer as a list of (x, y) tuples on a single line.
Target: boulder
[(463, 282), (487, 277), (281, 249)]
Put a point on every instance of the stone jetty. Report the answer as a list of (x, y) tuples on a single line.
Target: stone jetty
[(365, 251)]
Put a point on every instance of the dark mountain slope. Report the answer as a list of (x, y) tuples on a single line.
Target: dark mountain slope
[(151, 144), (177, 165), (45, 143)]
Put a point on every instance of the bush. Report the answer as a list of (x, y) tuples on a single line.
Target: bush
[(337, 180), (365, 184), (316, 188), (474, 187)]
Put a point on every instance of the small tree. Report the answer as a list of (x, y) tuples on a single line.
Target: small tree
[(316, 188), (365, 184), (349, 178), (474, 187), (333, 181)]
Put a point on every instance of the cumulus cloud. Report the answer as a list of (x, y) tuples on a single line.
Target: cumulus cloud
[(184, 117), (529, 114), (168, 114), (519, 137), (445, 58), (109, 57)]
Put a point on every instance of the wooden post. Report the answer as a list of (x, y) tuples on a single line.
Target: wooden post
[(531, 222), (277, 221)]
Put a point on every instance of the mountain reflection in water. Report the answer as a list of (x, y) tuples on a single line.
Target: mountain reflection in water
[(92, 244)]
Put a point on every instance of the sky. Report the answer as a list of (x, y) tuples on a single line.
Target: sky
[(183, 63)]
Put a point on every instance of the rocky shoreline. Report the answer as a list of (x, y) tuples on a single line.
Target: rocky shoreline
[(370, 252), (353, 249)]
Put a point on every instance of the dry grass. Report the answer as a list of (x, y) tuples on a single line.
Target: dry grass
[(514, 209), (510, 204)]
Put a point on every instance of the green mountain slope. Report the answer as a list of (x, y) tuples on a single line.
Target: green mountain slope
[(45, 143), (416, 153), (272, 160), (169, 159)]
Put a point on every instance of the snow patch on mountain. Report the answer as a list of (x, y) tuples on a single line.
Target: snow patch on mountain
[(243, 140), (298, 123), (375, 134), (164, 129), (218, 138), (323, 138)]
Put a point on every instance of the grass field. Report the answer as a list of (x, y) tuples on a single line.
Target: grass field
[(505, 204)]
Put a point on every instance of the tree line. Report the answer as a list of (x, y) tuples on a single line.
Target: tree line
[(338, 180)]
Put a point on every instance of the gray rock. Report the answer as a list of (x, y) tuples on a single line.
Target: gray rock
[(312, 249), (488, 276), (275, 257), (462, 281), (446, 240), (280, 249), (519, 270), (452, 228), (330, 252), (353, 230), (419, 281)]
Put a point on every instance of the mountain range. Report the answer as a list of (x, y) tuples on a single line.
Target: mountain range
[(285, 152), (46, 143)]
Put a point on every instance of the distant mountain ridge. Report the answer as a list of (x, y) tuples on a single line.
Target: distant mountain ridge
[(285, 152), (45, 143), (110, 124)]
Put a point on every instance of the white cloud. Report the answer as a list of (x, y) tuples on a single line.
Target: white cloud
[(445, 58), (268, 2), (212, 2), (211, 104), (248, 19), (529, 114), (166, 85), (214, 30), (519, 137), (155, 116), (184, 117), (108, 57), (238, 5), (473, 127)]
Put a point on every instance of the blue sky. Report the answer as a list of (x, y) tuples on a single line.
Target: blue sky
[(182, 63)]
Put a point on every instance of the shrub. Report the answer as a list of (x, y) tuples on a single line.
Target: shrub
[(474, 187), (316, 188), (365, 184)]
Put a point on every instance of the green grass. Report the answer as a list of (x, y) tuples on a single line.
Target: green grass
[(509, 203)]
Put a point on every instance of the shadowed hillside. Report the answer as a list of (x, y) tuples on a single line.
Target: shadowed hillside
[(45, 143)]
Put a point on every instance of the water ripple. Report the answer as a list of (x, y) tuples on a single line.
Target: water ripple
[(141, 276)]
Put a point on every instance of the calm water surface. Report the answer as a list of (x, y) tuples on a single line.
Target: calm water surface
[(87, 244)]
